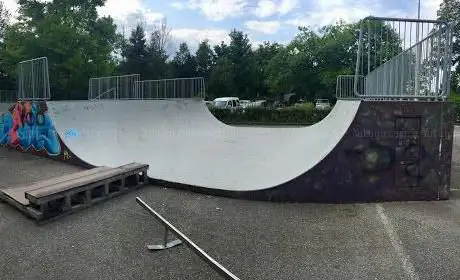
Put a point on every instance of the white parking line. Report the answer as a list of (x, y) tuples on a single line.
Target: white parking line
[(397, 245)]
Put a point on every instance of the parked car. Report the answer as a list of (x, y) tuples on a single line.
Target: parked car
[(227, 103), (322, 104), (245, 103)]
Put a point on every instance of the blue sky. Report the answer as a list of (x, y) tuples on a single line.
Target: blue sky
[(275, 20)]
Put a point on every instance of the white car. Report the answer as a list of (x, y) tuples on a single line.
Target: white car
[(322, 104), (227, 103), (245, 103)]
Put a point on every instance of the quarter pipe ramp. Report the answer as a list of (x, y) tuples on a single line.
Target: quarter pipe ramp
[(183, 143), (363, 150)]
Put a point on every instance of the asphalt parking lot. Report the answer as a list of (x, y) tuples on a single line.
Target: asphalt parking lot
[(254, 240)]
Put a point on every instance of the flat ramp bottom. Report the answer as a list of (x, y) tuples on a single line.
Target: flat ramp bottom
[(50, 199)]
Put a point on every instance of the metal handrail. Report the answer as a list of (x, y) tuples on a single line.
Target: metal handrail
[(104, 93), (197, 250)]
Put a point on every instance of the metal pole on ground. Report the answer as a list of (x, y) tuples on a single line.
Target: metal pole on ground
[(197, 250)]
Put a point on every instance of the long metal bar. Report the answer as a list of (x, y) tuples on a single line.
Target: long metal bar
[(197, 250), (406, 19)]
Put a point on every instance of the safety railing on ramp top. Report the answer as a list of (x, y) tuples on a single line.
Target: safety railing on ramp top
[(33, 80), (402, 58), (113, 87), (172, 88), (183, 238)]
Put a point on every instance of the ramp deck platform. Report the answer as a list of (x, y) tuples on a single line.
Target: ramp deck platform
[(56, 197)]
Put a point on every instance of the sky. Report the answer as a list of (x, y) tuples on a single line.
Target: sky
[(192, 21)]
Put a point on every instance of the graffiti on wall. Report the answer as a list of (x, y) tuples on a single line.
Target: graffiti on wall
[(28, 126)]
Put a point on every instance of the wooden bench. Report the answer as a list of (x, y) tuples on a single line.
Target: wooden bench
[(58, 196), (17, 193)]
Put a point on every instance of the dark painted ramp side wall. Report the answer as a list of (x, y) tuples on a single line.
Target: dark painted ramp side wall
[(391, 152), (27, 127)]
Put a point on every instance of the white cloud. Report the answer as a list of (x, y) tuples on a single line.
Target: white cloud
[(429, 8), (217, 10), (265, 8), (288, 5), (325, 12), (267, 27), (11, 5), (178, 5), (330, 11), (131, 11)]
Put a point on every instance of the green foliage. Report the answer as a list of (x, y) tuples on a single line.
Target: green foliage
[(5, 15), (135, 54), (204, 59), (79, 44), (450, 11), (76, 41), (303, 115), (454, 97), (184, 63)]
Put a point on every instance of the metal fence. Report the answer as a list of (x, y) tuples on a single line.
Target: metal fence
[(33, 79), (345, 88), (113, 87), (403, 58), (172, 88), (7, 96)]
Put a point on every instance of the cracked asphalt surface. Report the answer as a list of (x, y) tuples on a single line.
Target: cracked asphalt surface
[(254, 240)]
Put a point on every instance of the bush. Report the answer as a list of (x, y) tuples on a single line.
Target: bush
[(305, 114), (455, 99)]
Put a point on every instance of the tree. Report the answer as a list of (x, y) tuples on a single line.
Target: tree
[(204, 59), (310, 64), (184, 63), (241, 55), (263, 55), (4, 20), (159, 39), (135, 54), (222, 80), (450, 11), (279, 74), (77, 42), (6, 81)]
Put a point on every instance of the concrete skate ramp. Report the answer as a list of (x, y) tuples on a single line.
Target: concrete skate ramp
[(183, 142)]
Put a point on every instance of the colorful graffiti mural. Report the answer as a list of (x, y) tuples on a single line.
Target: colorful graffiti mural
[(28, 126)]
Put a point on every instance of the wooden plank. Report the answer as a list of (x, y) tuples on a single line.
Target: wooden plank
[(68, 177), (133, 166), (18, 193), (33, 195)]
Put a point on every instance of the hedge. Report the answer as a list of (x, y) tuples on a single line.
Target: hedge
[(301, 115), (455, 99)]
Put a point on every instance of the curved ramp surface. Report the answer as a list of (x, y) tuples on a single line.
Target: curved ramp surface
[(183, 142)]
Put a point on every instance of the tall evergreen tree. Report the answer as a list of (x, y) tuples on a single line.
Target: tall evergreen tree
[(204, 59), (184, 63), (136, 55)]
